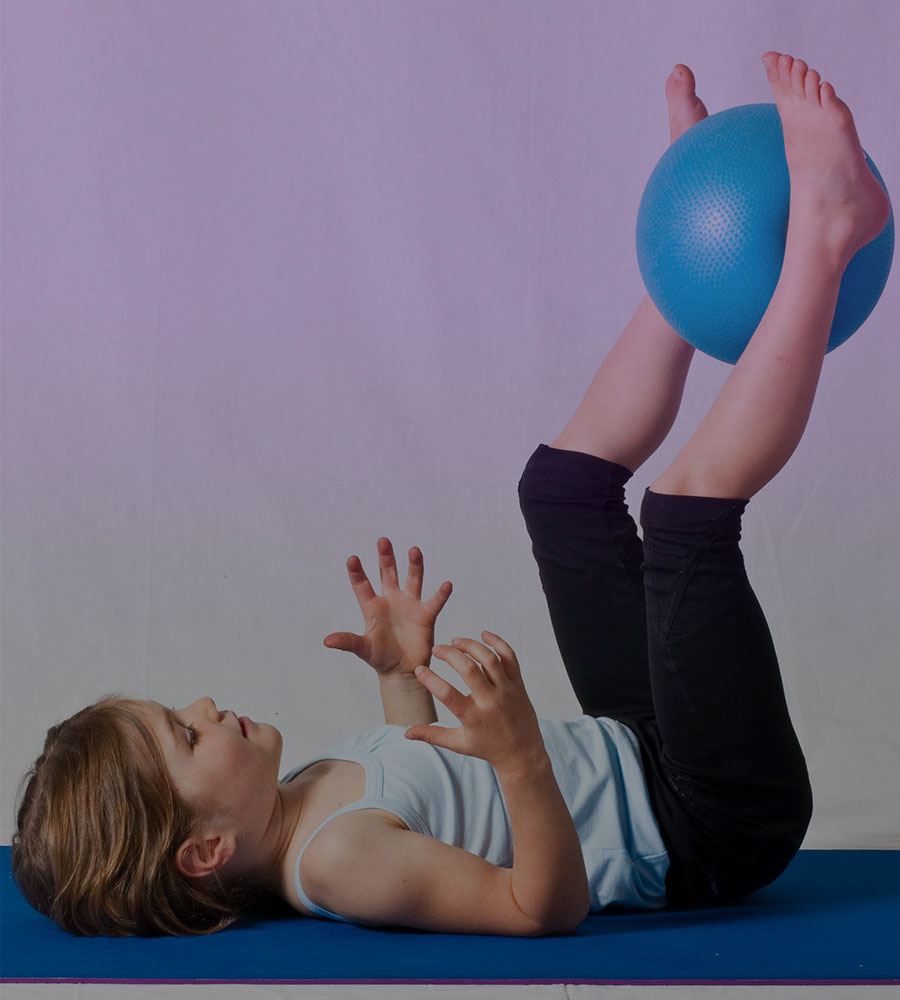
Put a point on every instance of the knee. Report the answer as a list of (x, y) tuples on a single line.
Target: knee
[(793, 812), (545, 483), (558, 474), (529, 480), (803, 810), (532, 491)]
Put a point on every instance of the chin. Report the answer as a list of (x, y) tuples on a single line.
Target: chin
[(277, 739)]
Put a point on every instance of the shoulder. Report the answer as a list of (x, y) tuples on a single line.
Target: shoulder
[(351, 848)]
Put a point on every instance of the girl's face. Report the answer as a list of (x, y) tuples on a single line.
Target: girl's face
[(222, 767)]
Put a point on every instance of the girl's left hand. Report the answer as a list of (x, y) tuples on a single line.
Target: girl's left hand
[(498, 721), (399, 624)]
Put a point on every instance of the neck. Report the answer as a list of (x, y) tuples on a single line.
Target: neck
[(270, 867)]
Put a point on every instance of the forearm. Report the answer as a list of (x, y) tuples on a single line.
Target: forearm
[(548, 889), (405, 701), (549, 882)]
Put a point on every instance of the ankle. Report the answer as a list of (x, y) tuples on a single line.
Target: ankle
[(823, 247)]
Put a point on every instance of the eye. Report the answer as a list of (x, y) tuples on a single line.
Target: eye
[(193, 735)]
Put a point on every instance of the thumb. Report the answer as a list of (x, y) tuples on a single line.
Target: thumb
[(439, 736), (347, 641)]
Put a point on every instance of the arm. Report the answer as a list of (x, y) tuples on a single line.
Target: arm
[(373, 870), (548, 880), (399, 633)]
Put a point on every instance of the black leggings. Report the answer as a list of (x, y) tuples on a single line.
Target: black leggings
[(668, 638)]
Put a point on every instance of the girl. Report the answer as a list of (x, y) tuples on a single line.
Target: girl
[(682, 783)]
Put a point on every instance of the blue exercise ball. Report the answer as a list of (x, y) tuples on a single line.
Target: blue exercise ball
[(711, 230)]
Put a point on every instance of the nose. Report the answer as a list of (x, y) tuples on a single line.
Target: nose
[(204, 707)]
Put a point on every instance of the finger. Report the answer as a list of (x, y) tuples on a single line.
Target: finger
[(415, 573), (387, 565), (359, 581), (349, 642), (506, 653), (445, 693), (491, 667), (466, 666), (434, 605)]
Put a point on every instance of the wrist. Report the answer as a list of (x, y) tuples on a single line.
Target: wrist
[(399, 681), (529, 765), (405, 701)]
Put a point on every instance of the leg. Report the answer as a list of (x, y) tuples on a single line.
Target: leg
[(837, 207), (728, 747), (729, 786), (573, 498), (634, 397), (589, 558)]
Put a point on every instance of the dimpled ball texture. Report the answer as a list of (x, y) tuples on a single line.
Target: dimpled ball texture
[(711, 230)]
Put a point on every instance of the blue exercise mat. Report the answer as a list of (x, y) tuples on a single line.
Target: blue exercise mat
[(832, 917)]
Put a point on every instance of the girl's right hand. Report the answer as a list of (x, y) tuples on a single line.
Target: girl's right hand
[(497, 720)]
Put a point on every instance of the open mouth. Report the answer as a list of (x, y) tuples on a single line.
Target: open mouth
[(245, 725)]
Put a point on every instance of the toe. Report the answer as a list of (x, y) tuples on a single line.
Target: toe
[(798, 77), (685, 76), (812, 86), (785, 63), (681, 81), (835, 106), (770, 61)]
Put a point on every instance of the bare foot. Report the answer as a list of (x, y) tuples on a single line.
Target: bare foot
[(836, 202), (685, 107)]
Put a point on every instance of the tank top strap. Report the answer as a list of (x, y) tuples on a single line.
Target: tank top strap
[(403, 812)]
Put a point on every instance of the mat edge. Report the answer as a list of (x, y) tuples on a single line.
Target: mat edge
[(455, 982)]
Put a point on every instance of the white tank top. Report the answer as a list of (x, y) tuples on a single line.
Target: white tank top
[(457, 799)]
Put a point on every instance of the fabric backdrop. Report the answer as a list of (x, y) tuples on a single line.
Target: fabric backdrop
[(281, 277)]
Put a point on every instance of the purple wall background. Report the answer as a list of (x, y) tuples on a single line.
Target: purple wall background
[(278, 278)]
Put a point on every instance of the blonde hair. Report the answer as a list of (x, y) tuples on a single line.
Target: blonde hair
[(98, 826)]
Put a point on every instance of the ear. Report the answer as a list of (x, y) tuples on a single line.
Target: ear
[(200, 856)]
